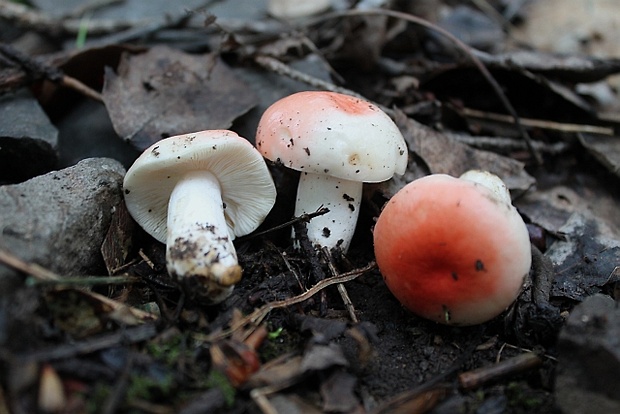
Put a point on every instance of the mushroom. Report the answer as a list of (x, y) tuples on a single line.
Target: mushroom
[(196, 193), (453, 250), (295, 9), (338, 142)]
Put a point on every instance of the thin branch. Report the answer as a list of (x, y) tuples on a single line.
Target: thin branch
[(123, 336), (521, 363), (538, 123), (88, 281), (259, 314), (479, 65), (342, 290), (33, 269), (304, 217), (274, 65), (30, 18), (36, 69), (508, 144)]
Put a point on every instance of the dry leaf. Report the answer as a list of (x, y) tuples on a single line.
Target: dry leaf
[(165, 92), (444, 155)]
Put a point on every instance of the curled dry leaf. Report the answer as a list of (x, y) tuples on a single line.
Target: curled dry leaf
[(443, 154), (165, 92)]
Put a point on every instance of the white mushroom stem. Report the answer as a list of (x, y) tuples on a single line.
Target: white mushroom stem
[(198, 241), (341, 197)]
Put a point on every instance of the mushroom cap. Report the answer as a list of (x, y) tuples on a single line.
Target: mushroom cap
[(294, 9), (451, 251), (247, 190), (334, 134)]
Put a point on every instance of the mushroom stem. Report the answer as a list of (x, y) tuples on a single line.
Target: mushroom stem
[(341, 197), (199, 244)]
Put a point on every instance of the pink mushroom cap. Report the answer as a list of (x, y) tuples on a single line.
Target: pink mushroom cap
[(452, 251)]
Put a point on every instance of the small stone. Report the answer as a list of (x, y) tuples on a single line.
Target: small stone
[(59, 220), (589, 358)]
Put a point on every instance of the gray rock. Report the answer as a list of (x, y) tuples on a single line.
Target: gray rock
[(588, 374), (28, 140), (87, 132), (59, 220)]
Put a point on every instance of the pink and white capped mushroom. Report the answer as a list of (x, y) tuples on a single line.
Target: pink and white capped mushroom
[(453, 250), (338, 142), (196, 193)]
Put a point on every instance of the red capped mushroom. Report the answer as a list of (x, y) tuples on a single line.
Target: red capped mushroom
[(453, 250)]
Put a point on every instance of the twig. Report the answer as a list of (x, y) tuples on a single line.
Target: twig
[(508, 144), (30, 18), (288, 266), (124, 336), (259, 395), (146, 259), (490, 11), (477, 63), (89, 7), (33, 269), (47, 276), (88, 281), (476, 378), (341, 288), (304, 217), (78, 86), (280, 68), (538, 123), (259, 314), (36, 69)]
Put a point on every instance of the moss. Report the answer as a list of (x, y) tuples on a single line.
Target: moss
[(169, 351), (97, 397), (150, 388), (219, 380), (523, 397)]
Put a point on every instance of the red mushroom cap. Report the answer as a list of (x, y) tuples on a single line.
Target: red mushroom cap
[(451, 251), (332, 134)]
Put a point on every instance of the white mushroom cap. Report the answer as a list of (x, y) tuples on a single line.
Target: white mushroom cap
[(294, 9), (248, 192), (490, 181), (333, 134)]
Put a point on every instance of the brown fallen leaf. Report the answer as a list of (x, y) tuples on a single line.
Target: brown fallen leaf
[(117, 243), (166, 92), (236, 358), (443, 154), (605, 149)]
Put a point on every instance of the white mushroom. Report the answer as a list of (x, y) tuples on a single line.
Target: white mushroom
[(490, 181), (196, 193), (338, 142), (295, 9)]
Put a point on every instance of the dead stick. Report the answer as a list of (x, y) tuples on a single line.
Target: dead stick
[(473, 379), (33, 269), (280, 68), (259, 314), (341, 288), (122, 336), (36, 69), (538, 123), (477, 62)]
